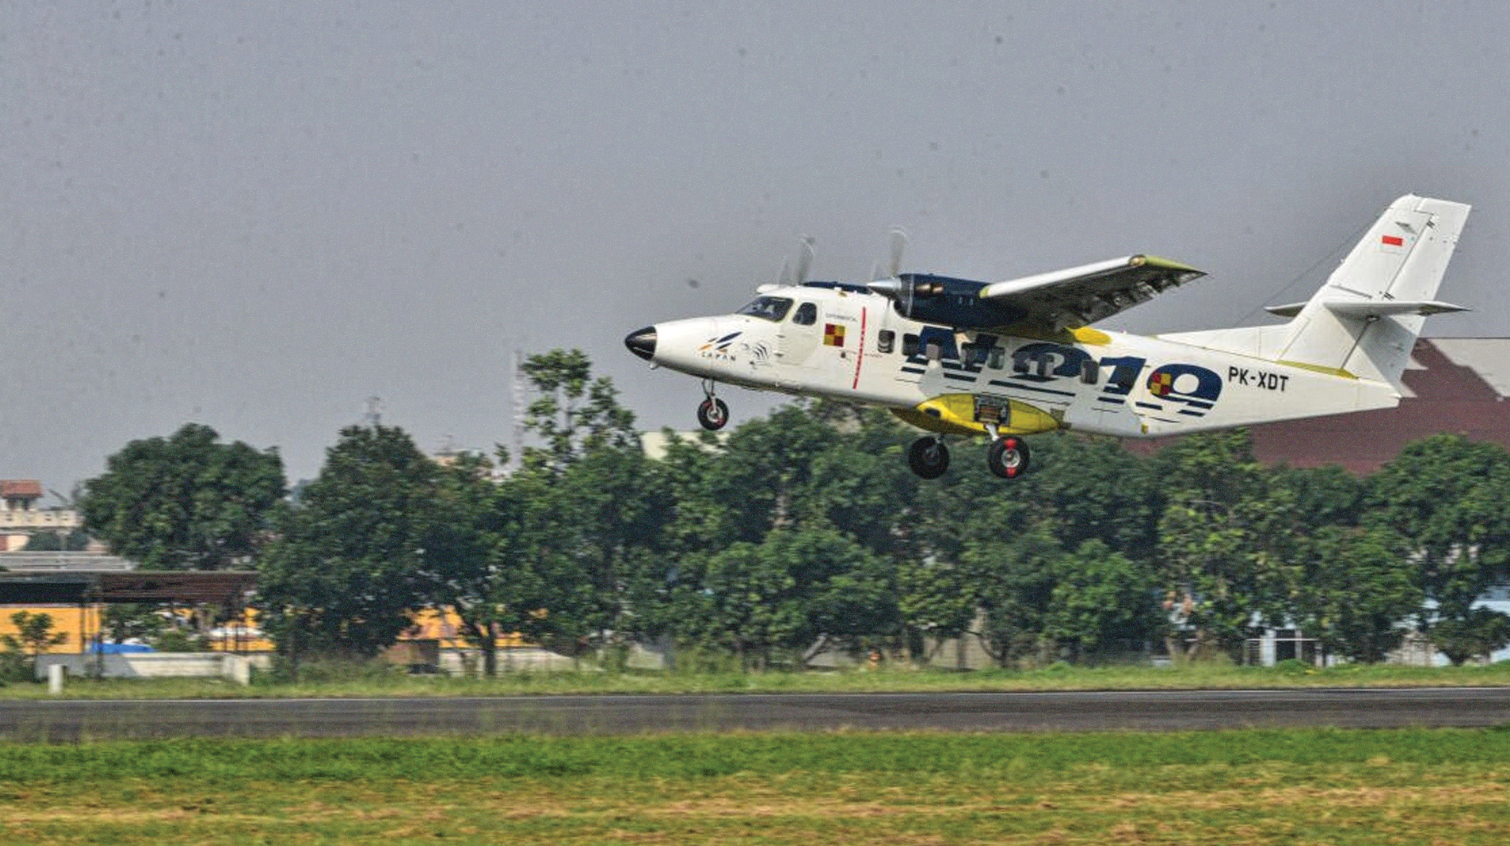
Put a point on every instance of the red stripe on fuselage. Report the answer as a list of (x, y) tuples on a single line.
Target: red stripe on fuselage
[(860, 352)]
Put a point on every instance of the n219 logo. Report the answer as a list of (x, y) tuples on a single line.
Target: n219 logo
[(1186, 389)]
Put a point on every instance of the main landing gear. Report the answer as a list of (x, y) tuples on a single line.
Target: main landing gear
[(1007, 456), (712, 412), (928, 457)]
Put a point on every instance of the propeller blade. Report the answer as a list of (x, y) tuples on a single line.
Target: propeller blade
[(804, 259), (898, 246)]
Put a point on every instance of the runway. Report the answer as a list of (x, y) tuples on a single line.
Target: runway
[(74, 720)]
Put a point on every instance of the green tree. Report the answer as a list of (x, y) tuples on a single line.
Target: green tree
[(52, 541), (1014, 576), (935, 600), (1450, 498), (1475, 634), (1101, 602), (589, 509), (121, 622), (792, 594), (350, 565), (1229, 541), (1358, 590), (513, 556), (34, 636), (1095, 489), (572, 413), (187, 502), (763, 477), (467, 558)]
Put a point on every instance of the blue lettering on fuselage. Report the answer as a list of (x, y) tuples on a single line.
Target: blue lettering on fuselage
[(1175, 390)]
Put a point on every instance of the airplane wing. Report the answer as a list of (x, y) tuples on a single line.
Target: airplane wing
[(1079, 296)]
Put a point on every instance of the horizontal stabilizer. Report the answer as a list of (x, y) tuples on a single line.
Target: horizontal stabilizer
[(1391, 308), (1289, 310), (1373, 308)]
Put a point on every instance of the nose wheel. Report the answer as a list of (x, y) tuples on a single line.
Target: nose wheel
[(712, 412), (928, 457)]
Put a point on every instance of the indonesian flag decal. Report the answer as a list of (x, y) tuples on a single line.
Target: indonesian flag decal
[(1392, 241)]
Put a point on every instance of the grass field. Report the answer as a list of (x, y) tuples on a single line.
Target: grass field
[(1059, 677), (1252, 787)]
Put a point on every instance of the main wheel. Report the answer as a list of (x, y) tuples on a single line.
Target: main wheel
[(928, 457), (1008, 457), (713, 414)]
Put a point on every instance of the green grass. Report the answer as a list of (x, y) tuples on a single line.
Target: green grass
[(1249, 787), (1059, 677)]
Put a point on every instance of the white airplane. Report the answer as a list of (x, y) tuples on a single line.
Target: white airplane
[(1019, 357)]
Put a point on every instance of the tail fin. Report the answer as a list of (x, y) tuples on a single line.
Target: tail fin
[(1365, 319)]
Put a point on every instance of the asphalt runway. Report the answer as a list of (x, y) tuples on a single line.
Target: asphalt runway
[(73, 720)]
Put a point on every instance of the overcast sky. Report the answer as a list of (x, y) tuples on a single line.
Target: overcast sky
[(257, 215)]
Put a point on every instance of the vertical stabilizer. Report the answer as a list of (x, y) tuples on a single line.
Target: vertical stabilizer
[(1365, 319)]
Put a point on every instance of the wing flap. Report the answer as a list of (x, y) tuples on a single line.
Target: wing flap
[(1079, 296)]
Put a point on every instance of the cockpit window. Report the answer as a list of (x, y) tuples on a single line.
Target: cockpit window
[(768, 308), (807, 314)]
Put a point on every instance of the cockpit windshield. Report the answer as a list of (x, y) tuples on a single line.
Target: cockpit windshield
[(768, 308)]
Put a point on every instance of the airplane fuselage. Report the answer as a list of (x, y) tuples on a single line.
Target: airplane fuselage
[(1020, 356), (853, 345)]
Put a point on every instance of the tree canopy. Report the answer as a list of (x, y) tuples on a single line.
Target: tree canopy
[(186, 502), (804, 531), (347, 569)]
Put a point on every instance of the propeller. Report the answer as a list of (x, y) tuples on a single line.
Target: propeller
[(804, 263), (899, 290), (804, 259), (898, 246)]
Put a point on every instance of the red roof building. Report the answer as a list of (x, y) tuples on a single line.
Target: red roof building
[(1453, 385), (19, 494)]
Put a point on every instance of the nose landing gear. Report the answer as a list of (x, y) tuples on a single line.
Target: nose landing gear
[(712, 412)]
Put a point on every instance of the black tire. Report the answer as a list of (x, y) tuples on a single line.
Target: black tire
[(713, 414), (1008, 457), (928, 457)]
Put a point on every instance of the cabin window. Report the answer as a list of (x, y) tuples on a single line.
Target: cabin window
[(807, 314), (997, 358), (886, 340), (910, 344), (975, 354), (768, 308), (1090, 371)]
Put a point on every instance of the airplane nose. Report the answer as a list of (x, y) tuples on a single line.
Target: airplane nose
[(641, 342)]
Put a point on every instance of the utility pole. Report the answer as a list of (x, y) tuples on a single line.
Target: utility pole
[(374, 415), (516, 449)]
